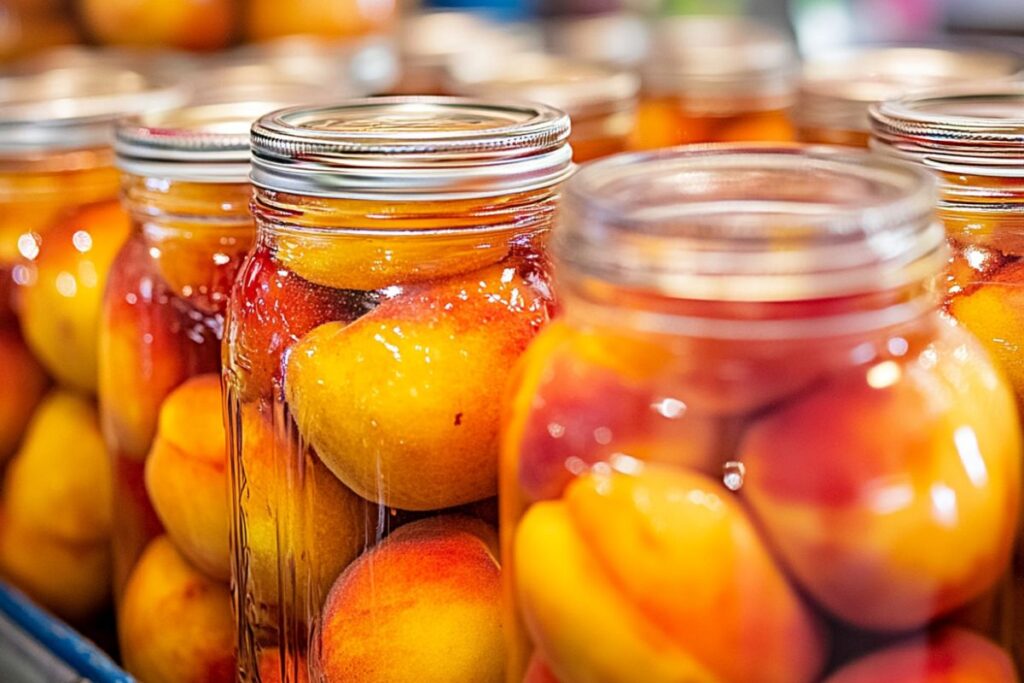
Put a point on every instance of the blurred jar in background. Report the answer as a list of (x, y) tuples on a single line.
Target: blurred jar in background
[(600, 101), (431, 44), (616, 39), (268, 19), (836, 88), (715, 79), (60, 226), (185, 24), (30, 25)]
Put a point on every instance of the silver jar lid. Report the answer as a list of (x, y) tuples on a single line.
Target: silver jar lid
[(577, 88), (836, 89), (205, 143), (704, 58), (412, 148), (976, 130), (74, 108)]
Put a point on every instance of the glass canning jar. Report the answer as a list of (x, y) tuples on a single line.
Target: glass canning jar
[(60, 226), (185, 185), (715, 79), (751, 448), (399, 270), (600, 101), (836, 88), (972, 139)]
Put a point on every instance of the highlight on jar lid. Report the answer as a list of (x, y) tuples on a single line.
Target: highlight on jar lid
[(412, 148), (199, 143), (750, 223), (837, 88), (697, 57), (577, 88), (74, 108), (975, 130)]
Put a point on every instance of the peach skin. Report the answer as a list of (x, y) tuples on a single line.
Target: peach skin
[(60, 306), (993, 309), (25, 382), (538, 671), (59, 482), (892, 492), (175, 624), (423, 606), (319, 530), (150, 342), (271, 308), (69, 578), (185, 24), (658, 576), (950, 656), (186, 475), (403, 404)]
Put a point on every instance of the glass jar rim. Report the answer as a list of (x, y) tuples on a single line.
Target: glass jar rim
[(412, 148), (751, 223), (972, 130), (580, 89), (75, 107), (836, 89), (716, 56)]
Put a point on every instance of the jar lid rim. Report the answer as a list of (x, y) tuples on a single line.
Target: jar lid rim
[(385, 146)]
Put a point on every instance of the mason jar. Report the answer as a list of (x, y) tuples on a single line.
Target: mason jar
[(185, 185), (600, 101), (751, 448), (715, 79), (837, 87), (399, 271), (60, 225)]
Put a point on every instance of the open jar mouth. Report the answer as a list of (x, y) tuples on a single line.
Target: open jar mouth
[(751, 223)]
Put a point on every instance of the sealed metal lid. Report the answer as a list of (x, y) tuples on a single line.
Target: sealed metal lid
[(976, 130), (836, 88), (412, 147), (73, 108), (699, 56), (575, 87), (200, 143)]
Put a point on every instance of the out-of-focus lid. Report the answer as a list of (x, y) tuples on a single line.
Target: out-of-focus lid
[(618, 39), (836, 88), (708, 57), (577, 88), (199, 143), (412, 148), (74, 107)]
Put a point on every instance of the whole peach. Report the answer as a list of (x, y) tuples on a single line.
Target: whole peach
[(423, 605), (25, 385), (189, 24), (175, 623), (892, 491), (403, 404)]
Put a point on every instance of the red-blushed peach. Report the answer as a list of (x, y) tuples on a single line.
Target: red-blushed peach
[(59, 481), (150, 342), (892, 492), (581, 397), (423, 605), (295, 669), (60, 305), (993, 309), (69, 578), (298, 536), (175, 623), (658, 576), (403, 404), (538, 671), (186, 474), (950, 656), (270, 309), (25, 383), (187, 24)]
